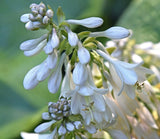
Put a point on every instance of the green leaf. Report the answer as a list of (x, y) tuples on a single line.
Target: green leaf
[(60, 15), (142, 16)]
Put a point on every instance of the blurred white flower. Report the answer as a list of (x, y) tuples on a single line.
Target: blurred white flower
[(91, 22)]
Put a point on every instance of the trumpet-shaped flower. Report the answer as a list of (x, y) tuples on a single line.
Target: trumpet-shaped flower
[(91, 22), (112, 33), (125, 75)]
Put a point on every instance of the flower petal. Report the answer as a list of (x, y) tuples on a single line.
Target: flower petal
[(85, 91)]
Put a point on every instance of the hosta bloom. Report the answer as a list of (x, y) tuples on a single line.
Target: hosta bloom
[(112, 33), (125, 75), (88, 100), (91, 22)]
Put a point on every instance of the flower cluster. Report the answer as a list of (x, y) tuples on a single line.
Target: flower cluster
[(98, 90)]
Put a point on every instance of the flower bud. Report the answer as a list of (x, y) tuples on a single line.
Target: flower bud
[(91, 22), (49, 13), (54, 39), (25, 18), (62, 130), (112, 33), (45, 20), (32, 25), (72, 37), (69, 126), (83, 54)]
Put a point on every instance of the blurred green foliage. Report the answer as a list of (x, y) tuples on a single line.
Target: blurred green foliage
[(143, 17), (21, 109)]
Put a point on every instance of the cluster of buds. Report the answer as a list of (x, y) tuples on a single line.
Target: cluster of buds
[(39, 17), (60, 109), (61, 120)]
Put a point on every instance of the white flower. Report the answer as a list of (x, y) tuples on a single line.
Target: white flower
[(88, 100), (125, 75), (112, 33), (54, 39), (72, 37), (83, 54), (91, 22)]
